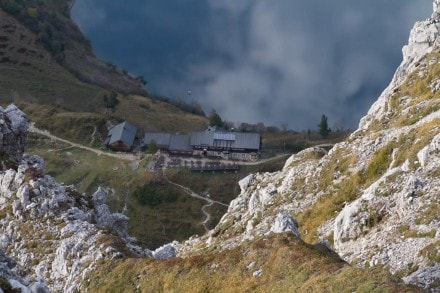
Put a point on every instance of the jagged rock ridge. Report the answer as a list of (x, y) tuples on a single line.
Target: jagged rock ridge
[(52, 235), (13, 136), (374, 196)]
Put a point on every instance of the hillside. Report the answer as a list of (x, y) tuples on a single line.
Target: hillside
[(49, 21), (362, 217), (274, 263), (54, 86), (58, 98), (59, 240)]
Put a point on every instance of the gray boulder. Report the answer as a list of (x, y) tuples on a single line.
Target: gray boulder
[(13, 136)]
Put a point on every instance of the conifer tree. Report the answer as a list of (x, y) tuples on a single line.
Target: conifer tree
[(324, 130)]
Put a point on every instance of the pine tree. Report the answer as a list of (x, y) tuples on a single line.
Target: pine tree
[(215, 119), (324, 130)]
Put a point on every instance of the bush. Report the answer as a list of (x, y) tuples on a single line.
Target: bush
[(152, 147), (154, 194), (111, 101)]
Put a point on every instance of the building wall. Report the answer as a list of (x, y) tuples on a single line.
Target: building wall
[(183, 153), (119, 146), (230, 155)]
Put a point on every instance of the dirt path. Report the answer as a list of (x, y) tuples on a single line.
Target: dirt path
[(191, 193), (126, 157), (207, 215), (276, 157), (93, 134)]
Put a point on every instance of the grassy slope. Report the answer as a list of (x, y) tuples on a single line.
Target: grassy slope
[(30, 76), (153, 226), (28, 72), (153, 115), (86, 170), (50, 21), (287, 264), (79, 126)]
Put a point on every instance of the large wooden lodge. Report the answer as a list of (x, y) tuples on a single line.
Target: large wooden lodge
[(210, 143), (225, 145)]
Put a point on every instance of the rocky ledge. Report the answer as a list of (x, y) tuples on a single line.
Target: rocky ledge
[(51, 236)]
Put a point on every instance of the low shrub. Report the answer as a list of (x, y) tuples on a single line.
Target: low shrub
[(154, 194)]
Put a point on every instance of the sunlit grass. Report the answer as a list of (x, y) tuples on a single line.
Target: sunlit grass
[(286, 264)]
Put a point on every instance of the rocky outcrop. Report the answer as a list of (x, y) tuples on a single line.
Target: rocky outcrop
[(374, 197), (423, 40), (104, 217), (166, 251), (13, 135), (436, 8), (267, 204), (51, 233), (11, 281)]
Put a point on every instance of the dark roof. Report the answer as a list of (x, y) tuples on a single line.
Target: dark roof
[(180, 142), (205, 138), (235, 140), (124, 132), (247, 141), (162, 139)]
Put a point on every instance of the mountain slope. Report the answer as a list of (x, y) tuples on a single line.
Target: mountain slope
[(56, 239), (62, 74), (374, 196), (50, 21), (274, 263), (28, 70)]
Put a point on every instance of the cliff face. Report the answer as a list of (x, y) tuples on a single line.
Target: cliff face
[(375, 197)]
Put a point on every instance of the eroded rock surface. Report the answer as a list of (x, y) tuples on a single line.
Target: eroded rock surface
[(13, 135), (52, 234), (378, 190)]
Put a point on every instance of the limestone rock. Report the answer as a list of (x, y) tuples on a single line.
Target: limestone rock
[(424, 277), (436, 7), (285, 223), (165, 251), (50, 231), (104, 217), (13, 135), (423, 39), (382, 184), (7, 266)]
